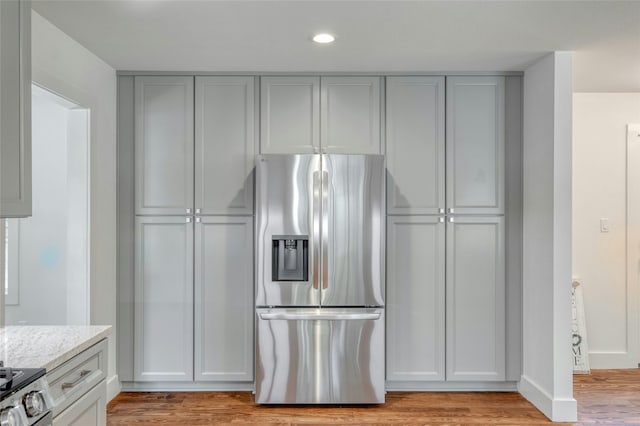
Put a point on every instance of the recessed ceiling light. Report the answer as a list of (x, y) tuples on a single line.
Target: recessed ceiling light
[(323, 38)]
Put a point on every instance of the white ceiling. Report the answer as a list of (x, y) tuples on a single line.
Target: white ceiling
[(372, 36)]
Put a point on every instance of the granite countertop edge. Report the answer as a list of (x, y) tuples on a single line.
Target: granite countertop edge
[(47, 346)]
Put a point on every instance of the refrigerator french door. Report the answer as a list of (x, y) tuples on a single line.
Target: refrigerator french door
[(320, 279)]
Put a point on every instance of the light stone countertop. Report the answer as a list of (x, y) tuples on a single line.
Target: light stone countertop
[(34, 346)]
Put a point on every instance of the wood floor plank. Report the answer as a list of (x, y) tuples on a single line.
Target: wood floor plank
[(604, 397)]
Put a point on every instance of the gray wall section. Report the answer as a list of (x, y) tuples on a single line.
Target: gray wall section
[(513, 199), (126, 226)]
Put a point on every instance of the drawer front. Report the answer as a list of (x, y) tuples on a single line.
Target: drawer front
[(90, 410), (76, 377)]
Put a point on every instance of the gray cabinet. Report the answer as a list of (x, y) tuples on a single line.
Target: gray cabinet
[(415, 298), (350, 115), (306, 114), (475, 299), (163, 346), (163, 145), (289, 115), (475, 145), (87, 411), (224, 299), (224, 145), (415, 145), (15, 108)]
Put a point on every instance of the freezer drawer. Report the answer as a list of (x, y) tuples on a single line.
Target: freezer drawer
[(320, 356)]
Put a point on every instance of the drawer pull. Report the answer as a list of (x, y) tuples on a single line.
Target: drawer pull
[(83, 374)]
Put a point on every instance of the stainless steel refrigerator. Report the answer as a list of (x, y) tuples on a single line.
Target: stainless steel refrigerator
[(320, 279)]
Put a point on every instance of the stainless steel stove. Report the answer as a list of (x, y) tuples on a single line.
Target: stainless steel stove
[(25, 398)]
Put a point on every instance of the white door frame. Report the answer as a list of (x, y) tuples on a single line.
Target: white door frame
[(633, 243)]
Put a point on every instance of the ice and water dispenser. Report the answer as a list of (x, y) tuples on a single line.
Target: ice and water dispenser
[(290, 258)]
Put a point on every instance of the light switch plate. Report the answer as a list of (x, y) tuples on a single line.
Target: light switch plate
[(604, 224)]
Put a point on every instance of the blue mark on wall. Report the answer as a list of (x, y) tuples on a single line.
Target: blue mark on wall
[(50, 257)]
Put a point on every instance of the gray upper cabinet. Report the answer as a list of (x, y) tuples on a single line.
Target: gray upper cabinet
[(225, 145), (289, 115), (163, 330), (304, 114), (163, 145), (15, 108), (475, 145), (415, 298), (350, 115), (224, 299), (415, 145), (475, 299)]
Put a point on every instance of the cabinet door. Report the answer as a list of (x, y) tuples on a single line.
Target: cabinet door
[(475, 299), (90, 410), (224, 315), (289, 115), (475, 145), (350, 115), (163, 346), (225, 145), (15, 108), (415, 145), (164, 145), (415, 298)]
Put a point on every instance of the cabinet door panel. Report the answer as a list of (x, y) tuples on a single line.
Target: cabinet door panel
[(224, 299), (475, 299), (350, 117), (15, 108), (475, 144), (415, 145), (164, 144), (225, 145), (163, 299), (90, 410), (415, 299), (289, 115)]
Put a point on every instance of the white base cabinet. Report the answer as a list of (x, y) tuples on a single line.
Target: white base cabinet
[(79, 389), (90, 410)]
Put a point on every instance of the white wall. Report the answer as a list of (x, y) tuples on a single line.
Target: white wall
[(547, 371), (65, 67), (600, 259), (40, 241)]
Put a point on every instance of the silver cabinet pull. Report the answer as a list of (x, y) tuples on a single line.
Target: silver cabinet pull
[(197, 211), (198, 220), (69, 385), (316, 150), (188, 211), (187, 219), (441, 219), (451, 220), (441, 211), (450, 210)]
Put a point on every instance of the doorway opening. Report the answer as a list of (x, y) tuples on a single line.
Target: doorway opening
[(47, 255)]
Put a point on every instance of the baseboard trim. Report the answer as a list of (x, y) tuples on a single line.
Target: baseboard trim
[(558, 410), (113, 387), (410, 386), (185, 386)]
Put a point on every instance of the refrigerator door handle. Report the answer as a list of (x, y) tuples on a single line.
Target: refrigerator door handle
[(325, 229), (315, 223), (319, 316)]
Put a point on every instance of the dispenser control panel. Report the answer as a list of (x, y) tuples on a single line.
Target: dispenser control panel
[(290, 258)]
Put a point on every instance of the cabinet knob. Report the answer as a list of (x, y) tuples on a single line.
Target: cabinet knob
[(198, 220), (441, 211), (188, 211), (197, 211), (450, 210), (441, 219), (451, 220), (187, 219)]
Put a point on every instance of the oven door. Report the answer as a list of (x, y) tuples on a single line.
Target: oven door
[(320, 356)]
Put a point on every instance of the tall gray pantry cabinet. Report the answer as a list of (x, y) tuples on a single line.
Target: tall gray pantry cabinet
[(191, 306), (446, 274)]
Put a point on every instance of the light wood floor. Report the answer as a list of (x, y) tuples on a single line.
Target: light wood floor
[(605, 396)]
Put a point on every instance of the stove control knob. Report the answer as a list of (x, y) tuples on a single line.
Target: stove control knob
[(13, 416), (35, 403)]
